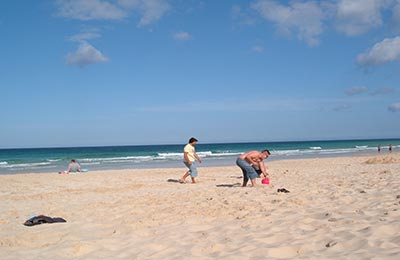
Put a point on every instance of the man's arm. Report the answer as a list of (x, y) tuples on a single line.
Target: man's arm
[(252, 159), (263, 169), (197, 157)]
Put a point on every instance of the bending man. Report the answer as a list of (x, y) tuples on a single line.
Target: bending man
[(249, 162)]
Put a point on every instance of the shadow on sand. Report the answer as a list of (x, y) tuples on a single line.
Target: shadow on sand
[(229, 185), (174, 180)]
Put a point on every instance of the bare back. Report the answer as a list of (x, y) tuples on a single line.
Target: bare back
[(252, 157)]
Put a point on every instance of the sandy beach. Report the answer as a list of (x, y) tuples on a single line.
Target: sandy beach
[(337, 208)]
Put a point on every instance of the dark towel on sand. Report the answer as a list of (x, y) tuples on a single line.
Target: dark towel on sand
[(37, 220)]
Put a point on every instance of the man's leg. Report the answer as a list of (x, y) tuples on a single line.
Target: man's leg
[(245, 180), (243, 166), (193, 172), (253, 175), (183, 179)]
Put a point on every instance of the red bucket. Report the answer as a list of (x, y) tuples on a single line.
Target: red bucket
[(265, 181)]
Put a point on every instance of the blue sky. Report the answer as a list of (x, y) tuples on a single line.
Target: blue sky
[(121, 72)]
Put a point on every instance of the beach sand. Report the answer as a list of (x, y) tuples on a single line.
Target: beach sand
[(337, 208)]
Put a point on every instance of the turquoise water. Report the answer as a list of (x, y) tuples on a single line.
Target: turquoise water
[(154, 156)]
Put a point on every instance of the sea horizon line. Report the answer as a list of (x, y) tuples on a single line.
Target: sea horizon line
[(203, 143)]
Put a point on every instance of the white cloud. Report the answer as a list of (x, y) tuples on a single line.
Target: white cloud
[(382, 91), (258, 49), (383, 52), (150, 10), (342, 108), (182, 36), (305, 18), (85, 54), (129, 4), (356, 90), (355, 17), (396, 12), (89, 10), (394, 107)]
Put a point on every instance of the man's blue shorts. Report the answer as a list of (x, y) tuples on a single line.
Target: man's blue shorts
[(248, 171), (192, 168)]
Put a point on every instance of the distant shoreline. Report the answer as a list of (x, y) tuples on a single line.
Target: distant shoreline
[(225, 162), (205, 143), (38, 160)]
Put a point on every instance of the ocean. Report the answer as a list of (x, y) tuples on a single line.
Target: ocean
[(35, 160)]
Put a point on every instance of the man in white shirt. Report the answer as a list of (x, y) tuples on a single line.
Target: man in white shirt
[(189, 159)]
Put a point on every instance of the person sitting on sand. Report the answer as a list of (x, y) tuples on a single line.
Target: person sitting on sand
[(73, 167), (249, 162), (189, 159)]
